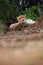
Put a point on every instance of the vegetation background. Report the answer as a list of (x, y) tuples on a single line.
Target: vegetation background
[(9, 9)]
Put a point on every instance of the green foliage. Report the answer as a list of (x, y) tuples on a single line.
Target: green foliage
[(8, 9), (30, 13)]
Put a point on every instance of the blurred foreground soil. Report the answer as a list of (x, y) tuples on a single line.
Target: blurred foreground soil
[(21, 49)]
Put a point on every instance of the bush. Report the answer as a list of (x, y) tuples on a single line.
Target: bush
[(8, 9), (31, 13)]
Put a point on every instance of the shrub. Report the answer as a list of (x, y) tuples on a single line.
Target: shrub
[(31, 13), (8, 9)]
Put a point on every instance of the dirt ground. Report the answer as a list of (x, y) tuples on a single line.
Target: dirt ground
[(21, 49)]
